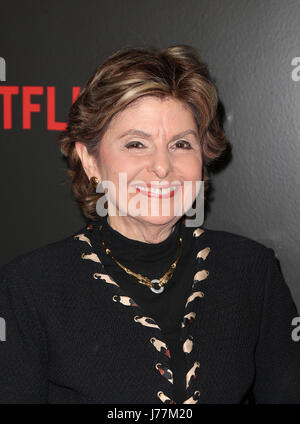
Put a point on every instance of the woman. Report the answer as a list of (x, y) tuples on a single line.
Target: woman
[(141, 307)]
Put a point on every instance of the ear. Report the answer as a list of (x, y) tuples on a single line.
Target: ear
[(88, 161)]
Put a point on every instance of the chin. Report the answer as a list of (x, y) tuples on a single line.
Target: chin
[(157, 220)]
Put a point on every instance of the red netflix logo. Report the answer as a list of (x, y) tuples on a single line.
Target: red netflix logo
[(28, 107)]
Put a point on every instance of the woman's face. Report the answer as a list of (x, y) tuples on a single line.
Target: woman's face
[(152, 141)]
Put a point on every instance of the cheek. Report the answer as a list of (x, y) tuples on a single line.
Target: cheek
[(110, 165), (121, 171), (190, 168)]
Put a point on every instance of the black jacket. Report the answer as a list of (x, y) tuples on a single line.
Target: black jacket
[(74, 334)]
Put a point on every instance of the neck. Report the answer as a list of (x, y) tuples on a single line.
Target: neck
[(136, 229)]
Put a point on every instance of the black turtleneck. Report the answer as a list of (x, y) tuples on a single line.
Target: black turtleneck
[(152, 260), (67, 334)]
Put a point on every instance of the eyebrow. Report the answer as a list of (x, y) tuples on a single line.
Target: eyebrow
[(146, 135)]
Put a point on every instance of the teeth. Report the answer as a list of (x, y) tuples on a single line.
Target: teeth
[(162, 191)]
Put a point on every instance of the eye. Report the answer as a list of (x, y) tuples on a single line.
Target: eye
[(133, 144), (184, 143)]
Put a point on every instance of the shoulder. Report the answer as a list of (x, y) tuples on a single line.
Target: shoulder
[(239, 263), (231, 249), (51, 259), (227, 240)]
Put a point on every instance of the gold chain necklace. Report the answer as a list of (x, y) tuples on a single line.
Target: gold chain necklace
[(157, 286)]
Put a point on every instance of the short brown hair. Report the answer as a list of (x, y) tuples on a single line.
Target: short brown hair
[(122, 78)]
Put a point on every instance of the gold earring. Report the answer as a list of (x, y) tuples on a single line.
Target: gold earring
[(94, 181)]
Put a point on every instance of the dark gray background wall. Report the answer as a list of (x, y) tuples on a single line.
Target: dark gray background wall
[(249, 47)]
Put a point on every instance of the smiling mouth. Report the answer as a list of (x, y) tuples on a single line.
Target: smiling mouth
[(157, 192)]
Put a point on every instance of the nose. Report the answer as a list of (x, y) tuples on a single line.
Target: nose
[(160, 163)]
